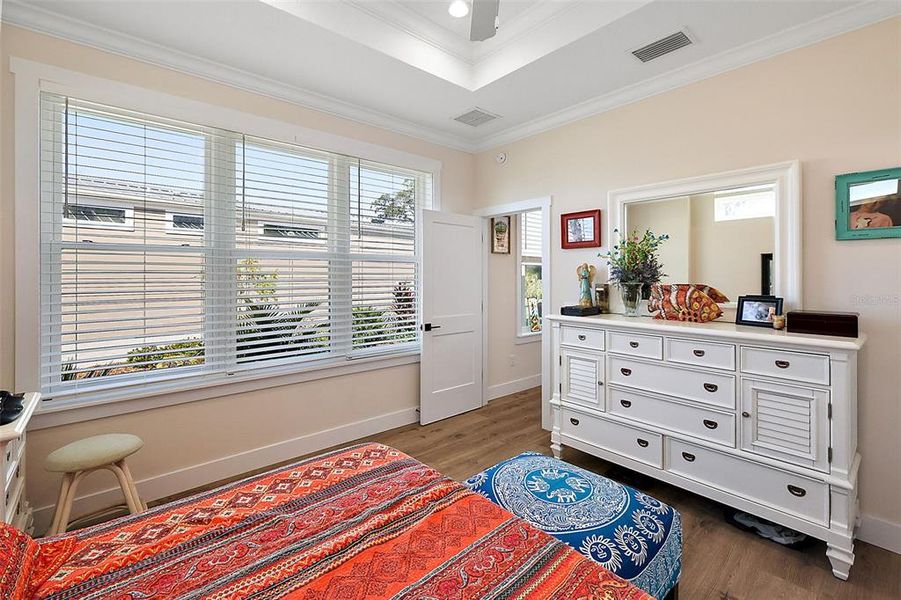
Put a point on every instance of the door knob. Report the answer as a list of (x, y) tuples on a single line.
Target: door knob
[(429, 327)]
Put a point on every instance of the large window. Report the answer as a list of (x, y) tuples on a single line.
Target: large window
[(171, 250), (530, 272)]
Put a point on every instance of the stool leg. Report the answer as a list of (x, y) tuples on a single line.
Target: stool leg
[(70, 498), (134, 486), (133, 507), (60, 503)]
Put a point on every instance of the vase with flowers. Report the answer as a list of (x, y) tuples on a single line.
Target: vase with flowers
[(634, 263)]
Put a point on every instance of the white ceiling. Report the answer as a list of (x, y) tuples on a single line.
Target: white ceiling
[(409, 66)]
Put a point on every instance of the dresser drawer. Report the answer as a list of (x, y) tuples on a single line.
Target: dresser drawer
[(13, 501), (697, 422), (710, 388), (633, 344), (795, 366), (703, 354), (637, 444), (582, 337), (799, 496)]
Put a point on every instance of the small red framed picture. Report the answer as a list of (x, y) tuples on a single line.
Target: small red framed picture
[(581, 229)]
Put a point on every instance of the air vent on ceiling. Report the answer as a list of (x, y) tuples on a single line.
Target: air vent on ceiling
[(663, 46), (476, 117)]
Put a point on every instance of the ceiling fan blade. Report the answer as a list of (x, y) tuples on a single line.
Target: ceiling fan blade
[(484, 20)]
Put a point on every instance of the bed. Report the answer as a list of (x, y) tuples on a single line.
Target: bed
[(362, 522)]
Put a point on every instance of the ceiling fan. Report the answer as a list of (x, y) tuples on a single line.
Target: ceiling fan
[(484, 20)]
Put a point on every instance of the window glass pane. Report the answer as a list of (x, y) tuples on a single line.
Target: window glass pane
[(173, 249), (531, 294), (530, 243)]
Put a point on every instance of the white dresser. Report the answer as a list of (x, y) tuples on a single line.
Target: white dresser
[(14, 507), (761, 420)]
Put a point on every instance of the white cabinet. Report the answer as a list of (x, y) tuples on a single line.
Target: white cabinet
[(758, 419), (582, 380), (14, 507), (789, 423)]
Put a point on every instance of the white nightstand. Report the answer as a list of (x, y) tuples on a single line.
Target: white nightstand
[(14, 507)]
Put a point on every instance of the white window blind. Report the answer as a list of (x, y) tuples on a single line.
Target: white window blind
[(530, 272), (296, 256)]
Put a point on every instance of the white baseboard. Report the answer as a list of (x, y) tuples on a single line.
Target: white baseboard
[(511, 387), (173, 482), (880, 532)]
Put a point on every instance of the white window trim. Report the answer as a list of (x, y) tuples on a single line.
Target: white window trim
[(128, 225), (532, 336), (31, 79), (173, 230)]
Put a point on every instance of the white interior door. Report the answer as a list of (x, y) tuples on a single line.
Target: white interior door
[(451, 364)]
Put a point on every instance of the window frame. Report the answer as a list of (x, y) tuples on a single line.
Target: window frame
[(129, 214), (172, 229), (522, 260), (33, 78)]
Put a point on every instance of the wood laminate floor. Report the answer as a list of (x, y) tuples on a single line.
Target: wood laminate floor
[(720, 561)]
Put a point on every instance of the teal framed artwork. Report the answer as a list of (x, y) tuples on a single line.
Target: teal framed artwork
[(868, 205)]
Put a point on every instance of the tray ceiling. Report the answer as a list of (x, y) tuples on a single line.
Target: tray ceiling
[(409, 66)]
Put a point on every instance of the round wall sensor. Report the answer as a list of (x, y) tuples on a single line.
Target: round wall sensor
[(501, 158)]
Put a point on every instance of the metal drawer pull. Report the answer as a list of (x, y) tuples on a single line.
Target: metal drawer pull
[(782, 364), (698, 353), (626, 403), (710, 424), (796, 491), (633, 344), (642, 443), (711, 387), (600, 383), (581, 338), (746, 414), (574, 421), (625, 371), (688, 457)]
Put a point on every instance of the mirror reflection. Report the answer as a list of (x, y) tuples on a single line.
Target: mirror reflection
[(724, 238)]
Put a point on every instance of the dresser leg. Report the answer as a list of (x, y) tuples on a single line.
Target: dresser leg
[(842, 557), (557, 449)]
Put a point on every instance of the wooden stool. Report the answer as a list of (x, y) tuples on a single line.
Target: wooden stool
[(79, 458)]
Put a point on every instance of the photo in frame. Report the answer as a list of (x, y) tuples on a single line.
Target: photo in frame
[(500, 235), (757, 310), (580, 229), (868, 205)]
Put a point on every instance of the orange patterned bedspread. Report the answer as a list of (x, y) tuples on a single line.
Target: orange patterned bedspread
[(361, 522)]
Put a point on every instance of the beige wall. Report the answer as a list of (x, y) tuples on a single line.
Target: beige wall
[(673, 217), (726, 254), (179, 437), (836, 106), (508, 361)]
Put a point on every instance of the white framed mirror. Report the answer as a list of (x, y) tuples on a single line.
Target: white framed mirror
[(738, 231)]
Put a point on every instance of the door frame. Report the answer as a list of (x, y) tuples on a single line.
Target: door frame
[(544, 203)]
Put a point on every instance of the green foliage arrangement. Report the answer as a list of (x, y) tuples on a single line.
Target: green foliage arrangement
[(635, 259)]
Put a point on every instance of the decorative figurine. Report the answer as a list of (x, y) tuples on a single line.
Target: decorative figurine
[(586, 275)]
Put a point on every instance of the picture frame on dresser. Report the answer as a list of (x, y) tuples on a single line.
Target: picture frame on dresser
[(699, 406)]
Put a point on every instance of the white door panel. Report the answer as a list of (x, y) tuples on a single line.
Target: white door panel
[(451, 364)]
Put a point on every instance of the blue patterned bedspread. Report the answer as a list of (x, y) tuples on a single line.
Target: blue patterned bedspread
[(628, 532)]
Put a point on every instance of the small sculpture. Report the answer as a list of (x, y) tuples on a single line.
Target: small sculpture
[(586, 275), (684, 302)]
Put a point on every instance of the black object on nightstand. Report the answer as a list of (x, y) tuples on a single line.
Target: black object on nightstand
[(580, 311), (11, 406)]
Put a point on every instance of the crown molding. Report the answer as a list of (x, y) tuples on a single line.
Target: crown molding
[(854, 17), (47, 22), (828, 26)]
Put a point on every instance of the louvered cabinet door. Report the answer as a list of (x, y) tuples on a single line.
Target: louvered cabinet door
[(582, 378), (785, 422)]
